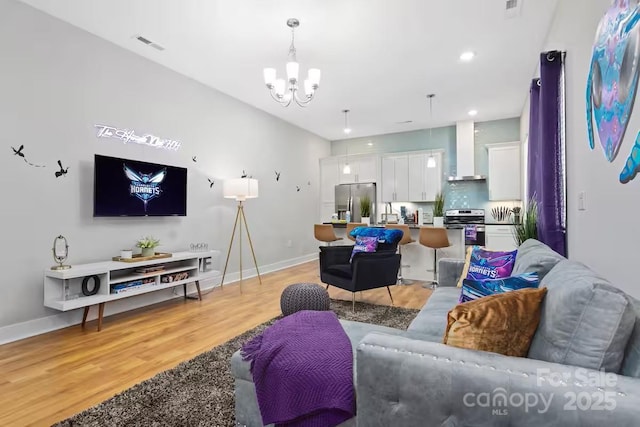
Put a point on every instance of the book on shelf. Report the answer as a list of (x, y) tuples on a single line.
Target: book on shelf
[(150, 269)]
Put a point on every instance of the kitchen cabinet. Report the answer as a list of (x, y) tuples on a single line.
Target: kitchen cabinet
[(395, 178), (500, 237), (363, 169), (424, 183), (505, 172)]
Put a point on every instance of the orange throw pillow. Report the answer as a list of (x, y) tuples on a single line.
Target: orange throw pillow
[(502, 323)]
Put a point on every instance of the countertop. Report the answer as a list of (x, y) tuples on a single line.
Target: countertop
[(411, 226)]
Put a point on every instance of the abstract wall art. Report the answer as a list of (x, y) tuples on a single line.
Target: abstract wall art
[(612, 82)]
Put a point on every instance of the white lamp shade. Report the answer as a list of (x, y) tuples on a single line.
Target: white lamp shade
[(347, 169), (292, 70), (240, 189), (269, 76), (431, 162), (314, 76)]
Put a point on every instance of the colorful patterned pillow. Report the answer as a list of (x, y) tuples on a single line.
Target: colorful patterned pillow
[(482, 263), (474, 289), (364, 244)]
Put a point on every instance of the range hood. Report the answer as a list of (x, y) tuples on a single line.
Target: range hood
[(465, 147)]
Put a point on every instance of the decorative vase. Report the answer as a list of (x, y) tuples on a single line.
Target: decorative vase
[(366, 220), (438, 221), (148, 251)]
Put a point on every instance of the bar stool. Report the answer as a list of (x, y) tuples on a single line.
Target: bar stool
[(351, 226), (325, 233), (434, 238), (406, 239)]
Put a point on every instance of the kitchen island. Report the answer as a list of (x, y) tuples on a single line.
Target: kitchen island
[(417, 260)]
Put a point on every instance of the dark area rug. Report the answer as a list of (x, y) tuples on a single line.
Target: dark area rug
[(199, 392)]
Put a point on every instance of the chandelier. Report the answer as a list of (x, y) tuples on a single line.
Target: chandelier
[(278, 88)]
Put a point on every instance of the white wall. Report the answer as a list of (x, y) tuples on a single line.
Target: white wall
[(605, 236), (58, 81)]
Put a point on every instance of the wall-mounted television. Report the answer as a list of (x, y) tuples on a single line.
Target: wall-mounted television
[(125, 187)]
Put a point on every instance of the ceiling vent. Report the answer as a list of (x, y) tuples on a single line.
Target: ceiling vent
[(513, 8), (148, 42)]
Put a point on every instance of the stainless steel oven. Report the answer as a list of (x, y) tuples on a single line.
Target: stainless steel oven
[(473, 222)]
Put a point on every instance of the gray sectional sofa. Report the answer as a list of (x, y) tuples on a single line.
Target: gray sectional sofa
[(583, 367)]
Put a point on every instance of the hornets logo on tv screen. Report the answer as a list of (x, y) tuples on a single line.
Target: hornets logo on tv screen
[(134, 188), (145, 186)]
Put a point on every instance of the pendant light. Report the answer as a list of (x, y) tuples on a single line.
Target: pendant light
[(347, 130), (431, 161)]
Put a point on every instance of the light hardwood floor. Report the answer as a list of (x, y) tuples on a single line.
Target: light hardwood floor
[(50, 377)]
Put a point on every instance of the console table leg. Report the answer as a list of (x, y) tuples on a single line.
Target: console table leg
[(184, 288), (84, 315), (198, 288), (100, 315)]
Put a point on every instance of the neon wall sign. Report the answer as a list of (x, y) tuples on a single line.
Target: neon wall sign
[(129, 135)]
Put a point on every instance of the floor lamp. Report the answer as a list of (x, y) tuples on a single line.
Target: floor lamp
[(240, 189)]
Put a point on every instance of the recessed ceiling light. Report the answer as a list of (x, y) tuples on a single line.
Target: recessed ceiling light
[(406, 122), (473, 112), (467, 56), (370, 144)]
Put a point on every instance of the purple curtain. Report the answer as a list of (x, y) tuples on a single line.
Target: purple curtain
[(546, 162)]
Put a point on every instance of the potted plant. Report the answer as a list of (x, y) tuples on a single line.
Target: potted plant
[(527, 228), (365, 209), (516, 210), (438, 210), (148, 245)]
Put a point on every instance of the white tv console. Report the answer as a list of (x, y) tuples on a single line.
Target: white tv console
[(63, 288)]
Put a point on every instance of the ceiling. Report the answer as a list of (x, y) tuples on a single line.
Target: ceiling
[(379, 58)]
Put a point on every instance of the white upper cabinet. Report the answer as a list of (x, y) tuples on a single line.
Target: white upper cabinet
[(367, 169), (363, 169), (395, 178), (505, 174), (424, 183)]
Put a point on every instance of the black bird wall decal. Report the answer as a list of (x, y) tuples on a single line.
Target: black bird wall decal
[(19, 153), (297, 188), (62, 171), (194, 159), (210, 182), (244, 174), (277, 176)]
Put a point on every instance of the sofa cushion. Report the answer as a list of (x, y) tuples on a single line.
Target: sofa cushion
[(631, 364), (431, 321), (585, 320), (364, 244), (482, 263), (475, 289), (535, 256), (501, 323)]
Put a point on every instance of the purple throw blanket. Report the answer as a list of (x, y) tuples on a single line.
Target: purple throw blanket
[(302, 368)]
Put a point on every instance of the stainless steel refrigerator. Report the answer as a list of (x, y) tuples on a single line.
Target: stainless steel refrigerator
[(348, 199)]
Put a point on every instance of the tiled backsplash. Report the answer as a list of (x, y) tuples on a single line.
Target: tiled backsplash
[(461, 195)]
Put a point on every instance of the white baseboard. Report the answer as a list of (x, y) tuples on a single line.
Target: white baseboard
[(29, 328)]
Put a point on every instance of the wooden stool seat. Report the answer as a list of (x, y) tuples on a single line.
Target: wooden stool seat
[(325, 233)]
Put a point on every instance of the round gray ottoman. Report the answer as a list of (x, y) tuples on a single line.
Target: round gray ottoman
[(304, 296)]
